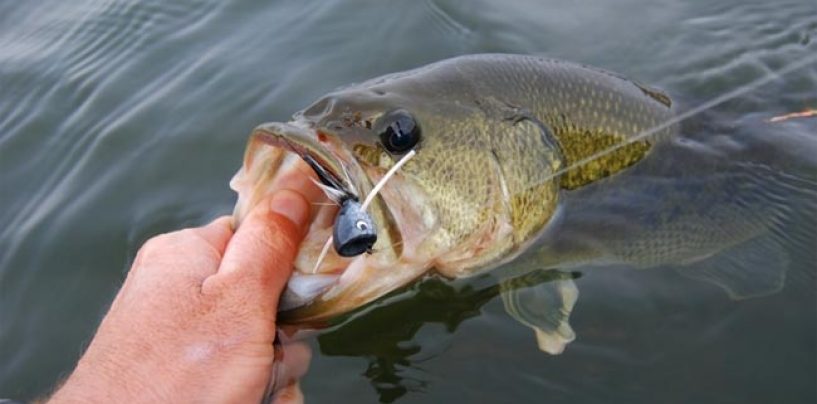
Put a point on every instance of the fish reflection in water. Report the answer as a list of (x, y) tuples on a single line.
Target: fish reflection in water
[(388, 343)]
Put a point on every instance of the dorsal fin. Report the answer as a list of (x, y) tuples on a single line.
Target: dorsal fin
[(655, 94)]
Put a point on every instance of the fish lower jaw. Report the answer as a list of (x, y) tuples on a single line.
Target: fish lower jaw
[(311, 279), (305, 287), (302, 289), (316, 298)]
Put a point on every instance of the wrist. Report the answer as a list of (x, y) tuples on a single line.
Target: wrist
[(100, 382), (117, 376)]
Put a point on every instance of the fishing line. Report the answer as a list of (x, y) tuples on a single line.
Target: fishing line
[(769, 77), (385, 178), (324, 251)]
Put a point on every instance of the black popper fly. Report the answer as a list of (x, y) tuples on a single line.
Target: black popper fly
[(354, 232)]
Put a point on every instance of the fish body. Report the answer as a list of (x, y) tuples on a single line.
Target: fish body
[(521, 162)]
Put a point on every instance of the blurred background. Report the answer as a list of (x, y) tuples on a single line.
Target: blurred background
[(121, 119)]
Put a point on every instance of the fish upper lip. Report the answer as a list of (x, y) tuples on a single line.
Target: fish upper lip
[(298, 139)]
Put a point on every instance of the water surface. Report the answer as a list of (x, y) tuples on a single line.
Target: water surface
[(121, 119)]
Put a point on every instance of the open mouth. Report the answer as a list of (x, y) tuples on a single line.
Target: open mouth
[(286, 156)]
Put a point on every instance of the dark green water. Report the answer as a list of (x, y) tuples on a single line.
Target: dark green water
[(123, 119)]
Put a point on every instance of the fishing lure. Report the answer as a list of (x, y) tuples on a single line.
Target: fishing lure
[(354, 232)]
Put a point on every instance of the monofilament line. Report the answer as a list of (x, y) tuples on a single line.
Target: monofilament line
[(385, 178), (692, 112), (324, 251), (369, 198)]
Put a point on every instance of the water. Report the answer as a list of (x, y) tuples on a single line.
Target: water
[(123, 119)]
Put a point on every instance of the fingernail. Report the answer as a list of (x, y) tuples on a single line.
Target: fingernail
[(292, 205)]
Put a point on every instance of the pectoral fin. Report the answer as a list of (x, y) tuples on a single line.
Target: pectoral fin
[(543, 301)]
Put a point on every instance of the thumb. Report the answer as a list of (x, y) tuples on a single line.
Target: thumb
[(258, 259)]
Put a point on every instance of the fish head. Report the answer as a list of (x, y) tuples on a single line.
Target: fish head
[(453, 207)]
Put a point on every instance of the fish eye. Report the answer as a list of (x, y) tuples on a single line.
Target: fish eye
[(399, 131)]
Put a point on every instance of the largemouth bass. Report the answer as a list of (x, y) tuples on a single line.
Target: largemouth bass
[(497, 180)]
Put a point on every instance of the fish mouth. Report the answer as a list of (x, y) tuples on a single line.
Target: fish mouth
[(279, 154)]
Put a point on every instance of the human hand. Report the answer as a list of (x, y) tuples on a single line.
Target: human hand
[(195, 319)]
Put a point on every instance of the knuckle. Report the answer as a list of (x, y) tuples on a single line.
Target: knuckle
[(157, 246), (183, 233), (153, 245)]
